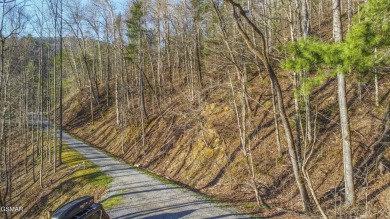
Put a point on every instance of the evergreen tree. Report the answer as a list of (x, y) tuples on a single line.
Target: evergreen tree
[(354, 54), (136, 29)]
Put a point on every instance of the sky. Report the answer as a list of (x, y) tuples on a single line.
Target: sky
[(33, 8)]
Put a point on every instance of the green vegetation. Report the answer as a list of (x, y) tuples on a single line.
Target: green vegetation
[(88, 172), (113, 201), (76, 178), (135, 27), (354, 55)]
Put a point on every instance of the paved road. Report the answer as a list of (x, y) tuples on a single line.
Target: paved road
[(145, 197)]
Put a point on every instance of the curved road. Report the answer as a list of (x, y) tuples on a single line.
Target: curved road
[(145, 197)]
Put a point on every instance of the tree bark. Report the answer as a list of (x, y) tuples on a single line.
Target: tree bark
[(60, 101), (344, 120)]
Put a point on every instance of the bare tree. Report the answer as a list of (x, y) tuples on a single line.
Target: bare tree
[(12, 22), (238, 11)]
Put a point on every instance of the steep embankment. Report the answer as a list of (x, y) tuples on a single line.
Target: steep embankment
[(197, 144)]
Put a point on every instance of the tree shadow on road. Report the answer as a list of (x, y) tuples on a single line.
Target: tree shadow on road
[(173, 215)]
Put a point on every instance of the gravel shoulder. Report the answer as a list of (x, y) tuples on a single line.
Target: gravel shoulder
[(145, 197)]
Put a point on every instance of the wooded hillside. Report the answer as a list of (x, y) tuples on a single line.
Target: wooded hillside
[(278, 107)]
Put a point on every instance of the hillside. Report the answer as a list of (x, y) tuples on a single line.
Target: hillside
[(280, 108), (197, 144)]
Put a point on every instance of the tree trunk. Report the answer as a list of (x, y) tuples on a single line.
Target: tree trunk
[(60, 101), (159, 62), (298, 120), (263, 56), (344, 120), (290, 141), (276, 122), (305, 19), (168, 46), (41, 103), (55, 92), (376, 81), (346, 139), (108, 68), (198, 57)]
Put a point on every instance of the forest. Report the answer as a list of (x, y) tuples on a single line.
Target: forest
[(278, 108)]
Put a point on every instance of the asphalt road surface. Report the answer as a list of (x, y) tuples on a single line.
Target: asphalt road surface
[(146, 197)]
